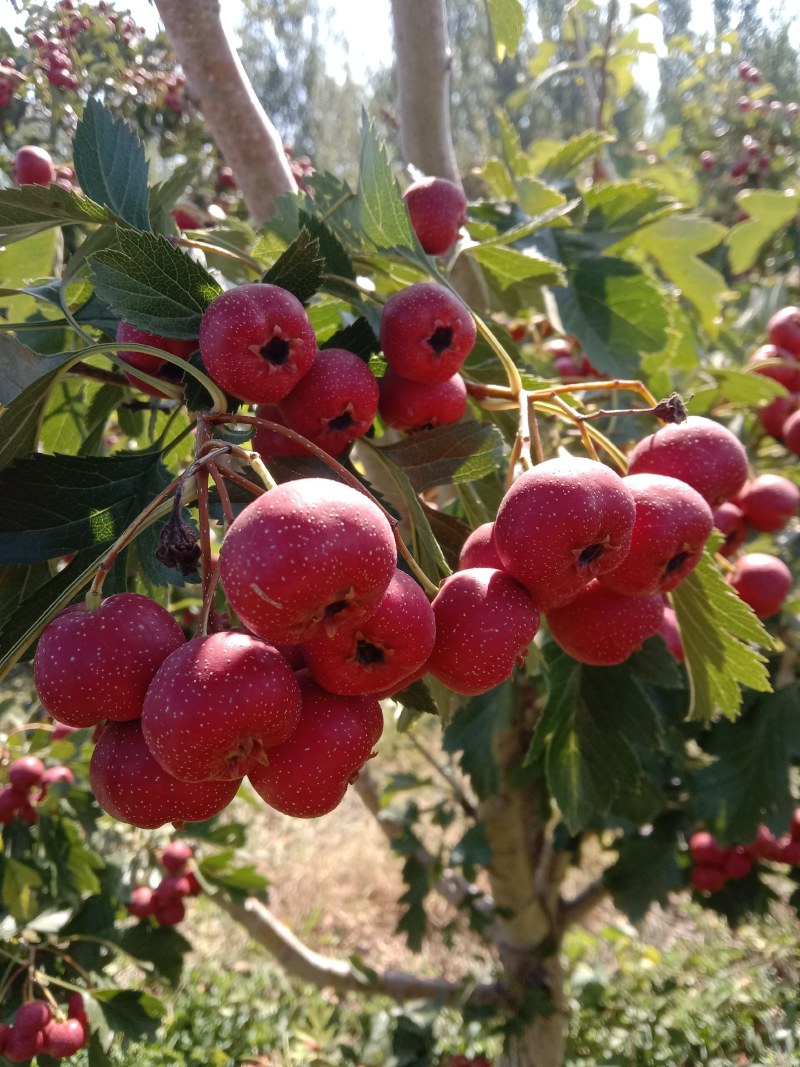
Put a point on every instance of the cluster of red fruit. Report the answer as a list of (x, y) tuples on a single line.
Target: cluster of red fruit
[(34, 166), (10, 78), (25, 775), (52, 54), (713, 865), (165, 902), (459, 1060), (779, 360), (569, 362), (35, 1031)]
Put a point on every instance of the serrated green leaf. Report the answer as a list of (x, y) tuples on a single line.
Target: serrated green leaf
[(110, 164), (646, 872), (358, 338), (414, 922), (769, 210), (459, 453), (716, 626), (20, 367), (299, 268), (508, 267), (381, 211), (162, 946), (152, 284), (21, 421), (565, 160), (33, 208), (470, 733), (417, 698), (507, 19), (20, 882), (164, 196), (134, 1015), (625, 206)]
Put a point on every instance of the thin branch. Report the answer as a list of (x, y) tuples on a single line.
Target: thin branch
[(572, 911), (108, 377)]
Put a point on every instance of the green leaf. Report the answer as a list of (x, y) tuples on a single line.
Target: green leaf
[(21, 421), (358, 337), (33, 208), (164, 196), (334, 255), (417, 698), (769, 210), (458, 453), (20, 367), (134, 1015), (110, 164), (381, 211), (299, 268), (716, 627), (749, 781), (152, 284), (646, 872), (507, 19), (471, 731), (508, 267), (616, 313), (162, 946), (566, 159), (414, 921), (19, 885), (625, 206)]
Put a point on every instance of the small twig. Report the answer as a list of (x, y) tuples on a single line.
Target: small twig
[(464, 802), (108, 377), (224, 496)]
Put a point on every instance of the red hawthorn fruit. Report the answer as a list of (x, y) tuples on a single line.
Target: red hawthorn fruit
[(730, 521), (257, 342), (791, 433), (173, 887), (479, 550), (185, 220), (22, 1047), (216, 704), (169, 912), (775, 415), (568, 367), (485, 621), (438, 209), (5, 1030), (141, 904), (790, 853), (426, 333), (55, 775), (307, 555), (698, 451), (778, 364), (794, 825), (671, 634), (406, 405), (737, 864), (175, 856), (62, 1040), (601, 627), (32, 1016), (271, 443), (708, 160), (33, 166), (130, 784), (769, 502), (783, 330), (334, 402), (195, 889), (26, 772), (708, 879), (373, 655), (673, 523), (561, 524), (142, 361), (94, 665), (704, 850), (765, 846), (307, 776), (12, 802), (763, 582), (227, 178)]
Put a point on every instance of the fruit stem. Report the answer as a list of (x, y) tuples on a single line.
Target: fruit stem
[(430, 587), (224, 495), (513, 375), (583, 429), (204, 522), (210, 588), (221, 249)]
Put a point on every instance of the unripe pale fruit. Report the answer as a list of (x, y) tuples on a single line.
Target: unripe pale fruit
[(160, 368), (708, 879), (141, 903), (730, 521), (307, 555), (783, 330), (334, 402), (379, 652), (563, 523), (406, 405), (216, 704), (769, 501), (703, 849), (763, 582), (95, 665), (26, 772), (601, 627), (62, 1040), (307, 776), (130, 784), (437, 208), (175, 856), (257, 342), (479, 549), (672, 525), (698, 451), (33, 166), (426, 333), (485, 621)]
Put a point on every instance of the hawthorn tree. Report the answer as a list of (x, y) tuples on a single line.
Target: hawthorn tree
[(139, 440)]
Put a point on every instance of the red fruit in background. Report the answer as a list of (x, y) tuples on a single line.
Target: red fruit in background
[(173, 887), (485, 621), (672, 525), (12, 802), (170, 912), (708, 160), (730, 521), (227, 178), (791, 433), (334, 402), (257, 342), (438, 209), (406, 405), (142, 361), (141, 903), (5, 1031), (130, 784), (58, 774), (32, 1016), (308, 554), (216, 704), (33, 166), (94, 665), (783, 330), (708, 879), (426, 333), (195, 889), (567, 367), (185, 220), (175, 856), (26, 772), (698, 451), (790, 853), (63, 1039), (21, 1047), (765, 846), (308, 775), (763, 582), (479, 549), (737, 863), (775, 415), (563, 523), (778, 364), (60, 731), (794, 825), (601, 627), (671, 634), (769, 502), (379, 652), (703, 849)]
